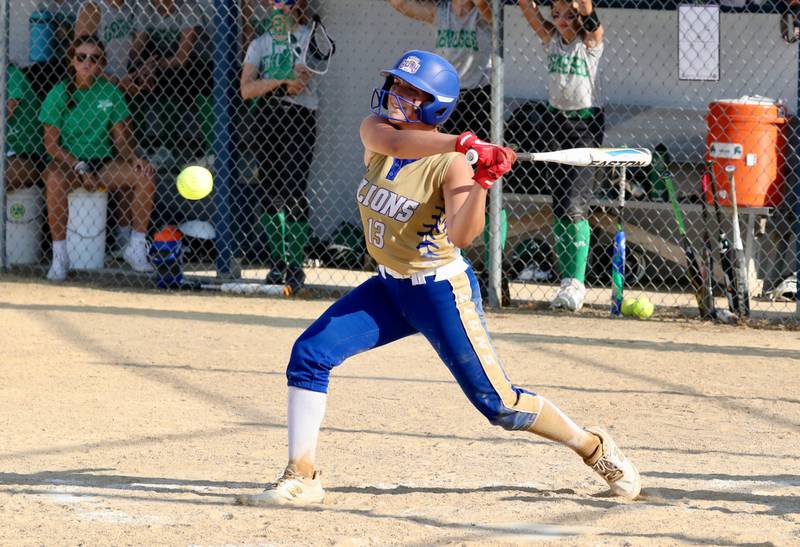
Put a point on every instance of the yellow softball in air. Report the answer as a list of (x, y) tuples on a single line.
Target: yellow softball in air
[(195, 182)]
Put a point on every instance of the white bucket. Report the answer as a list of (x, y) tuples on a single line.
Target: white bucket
[(86, 229), (24, 226)]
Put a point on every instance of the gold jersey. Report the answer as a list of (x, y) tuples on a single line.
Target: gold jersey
[(401, 204)]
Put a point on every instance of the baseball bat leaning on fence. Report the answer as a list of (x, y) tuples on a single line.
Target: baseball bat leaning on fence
[(620, 247), (708, 253), (693, 266), (593, 157), (741, 267), (725, 253), (720, 314)]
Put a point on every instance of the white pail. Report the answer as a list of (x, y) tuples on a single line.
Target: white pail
[(86, 229), (24, 226)]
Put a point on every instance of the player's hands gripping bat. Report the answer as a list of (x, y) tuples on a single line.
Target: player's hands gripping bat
[(481, 153), (486, 176)]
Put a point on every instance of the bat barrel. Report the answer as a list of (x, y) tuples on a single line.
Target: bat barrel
[(593, 157)]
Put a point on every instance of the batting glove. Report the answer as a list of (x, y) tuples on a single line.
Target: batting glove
[(486, 151), (502, 160)]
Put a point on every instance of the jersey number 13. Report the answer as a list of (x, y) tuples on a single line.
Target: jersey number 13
[(375, 231)]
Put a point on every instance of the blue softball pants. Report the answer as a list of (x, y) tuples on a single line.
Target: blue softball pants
[(447, 312)]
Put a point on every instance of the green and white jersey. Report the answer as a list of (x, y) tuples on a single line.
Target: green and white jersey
[(86, 128), (24, 133), (116, 32), (165, 31), (275, 61), (466, 42), (574, 71)]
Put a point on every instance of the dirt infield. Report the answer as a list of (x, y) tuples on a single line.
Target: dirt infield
[(135, 417)]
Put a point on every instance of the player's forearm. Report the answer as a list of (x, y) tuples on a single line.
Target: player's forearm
[(61, 155), (485, 9), (259, 88), (585, 7), (469, 221), (421, 10), (535, 18), (418, 144), (122, 136)]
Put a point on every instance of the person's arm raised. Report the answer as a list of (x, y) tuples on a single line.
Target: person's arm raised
[(593, 36), (421, 10), (536, 20), (485, 9)]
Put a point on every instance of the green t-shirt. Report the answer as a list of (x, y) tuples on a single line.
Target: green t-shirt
[(86, 129), (24, 130)]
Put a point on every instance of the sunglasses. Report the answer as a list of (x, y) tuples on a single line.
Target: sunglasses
[(81, 57)]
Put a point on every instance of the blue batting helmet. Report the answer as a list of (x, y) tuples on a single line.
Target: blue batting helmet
[(427, 72)]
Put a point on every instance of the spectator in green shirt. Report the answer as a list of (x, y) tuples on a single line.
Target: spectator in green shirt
[(87, 134), (24, 148)]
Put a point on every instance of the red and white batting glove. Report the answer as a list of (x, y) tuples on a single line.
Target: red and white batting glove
[(485, 150), (502, 160)]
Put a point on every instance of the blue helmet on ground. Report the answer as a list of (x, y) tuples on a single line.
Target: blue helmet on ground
[(427, 72)]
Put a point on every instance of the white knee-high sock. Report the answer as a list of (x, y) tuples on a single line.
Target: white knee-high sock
[(306, 411)]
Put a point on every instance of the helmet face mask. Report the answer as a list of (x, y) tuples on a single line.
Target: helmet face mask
[(425, 72), (379, 105)]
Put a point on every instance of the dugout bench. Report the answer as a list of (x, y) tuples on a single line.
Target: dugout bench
[(649, 226)]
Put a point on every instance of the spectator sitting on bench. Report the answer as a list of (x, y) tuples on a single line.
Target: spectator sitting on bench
[(24, 147), (88, 136)]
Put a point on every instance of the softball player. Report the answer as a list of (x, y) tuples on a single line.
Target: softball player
[(574, 119), (464, 38), (284, 104), (416, 213)]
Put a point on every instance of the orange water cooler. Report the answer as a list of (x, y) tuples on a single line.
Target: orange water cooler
[(748, 133)]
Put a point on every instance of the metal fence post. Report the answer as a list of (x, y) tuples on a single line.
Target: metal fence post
[(495, 266), (797, 183), (226, 49), (4, 18)]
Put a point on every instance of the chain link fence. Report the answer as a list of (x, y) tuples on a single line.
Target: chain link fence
[(108, 100)]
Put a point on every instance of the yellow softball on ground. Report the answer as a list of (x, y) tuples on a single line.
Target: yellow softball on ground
[(643, 308), (627, 306), (195, 182)]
